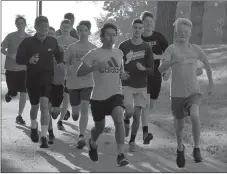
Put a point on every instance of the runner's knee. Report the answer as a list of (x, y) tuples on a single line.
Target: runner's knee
[(84, 107), (100, 126), (129, 110), (194, 112), (117, 115)]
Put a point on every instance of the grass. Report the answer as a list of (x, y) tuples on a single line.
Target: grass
[(213, 110)]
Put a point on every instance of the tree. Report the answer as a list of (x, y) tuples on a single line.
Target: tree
[(166, 11), (224, 27), (197, 11), (122, 13)]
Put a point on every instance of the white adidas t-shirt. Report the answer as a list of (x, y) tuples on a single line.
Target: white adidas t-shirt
[(75, 52), (107, 81)]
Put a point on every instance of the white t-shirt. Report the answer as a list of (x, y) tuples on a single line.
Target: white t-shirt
[(75, 52), (184, 79), (107, 82)]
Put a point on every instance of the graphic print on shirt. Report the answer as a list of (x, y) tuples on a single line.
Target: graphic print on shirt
[(134, 55), (151, 43), (113, 66)]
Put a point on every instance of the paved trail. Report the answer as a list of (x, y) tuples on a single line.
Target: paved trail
[(19, 154)]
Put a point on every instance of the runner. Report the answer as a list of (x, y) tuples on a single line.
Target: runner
[(59, 91), (158, 43), (80, 87), (106, 65), (15, 74), (37, 53), (51, 32), (138, 62), (73, 33), (182, 58)]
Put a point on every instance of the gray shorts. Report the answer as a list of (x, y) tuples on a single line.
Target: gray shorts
[(76, 95), (181, 106)]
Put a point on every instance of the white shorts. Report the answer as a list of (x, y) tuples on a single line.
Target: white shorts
[(136, 96)]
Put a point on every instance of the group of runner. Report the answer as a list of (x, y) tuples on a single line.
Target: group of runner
[(58, 68)]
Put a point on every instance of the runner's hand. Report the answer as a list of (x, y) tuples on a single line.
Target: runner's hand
[(34, 59), (61, 66), (124, 75), (140, 67), (210, 88)]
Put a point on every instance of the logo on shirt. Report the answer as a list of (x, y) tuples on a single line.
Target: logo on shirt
[(134, 56), (113, 67), (152, 43)]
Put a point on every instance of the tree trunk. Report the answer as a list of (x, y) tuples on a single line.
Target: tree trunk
[(224, 27), (166, 12), (197, 11)]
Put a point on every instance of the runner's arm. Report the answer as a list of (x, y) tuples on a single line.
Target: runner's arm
[(22, 56), (150, 61), (5, 45), (58, 53), (203, 58), (166, 61), (85, 67)]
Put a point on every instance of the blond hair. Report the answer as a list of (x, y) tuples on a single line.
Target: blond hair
[(182, 21)]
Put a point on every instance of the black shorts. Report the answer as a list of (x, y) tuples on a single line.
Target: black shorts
[(155, 82), (37, 91), (65, 88), (56, 95), (76, 95), (16, 82), (101, 108)]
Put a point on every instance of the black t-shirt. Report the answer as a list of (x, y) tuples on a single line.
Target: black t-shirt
[(43, 71), (139, 53), (158, 43)]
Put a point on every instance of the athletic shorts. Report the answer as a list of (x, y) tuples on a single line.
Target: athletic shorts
[(155, 82), (76, 95), (101, 108), (181, 106), (56, 95), (135, 96), (37, 91), (65, 88), (16, 82)]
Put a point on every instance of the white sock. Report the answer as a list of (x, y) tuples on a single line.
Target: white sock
[(33, 124), (44, 130)]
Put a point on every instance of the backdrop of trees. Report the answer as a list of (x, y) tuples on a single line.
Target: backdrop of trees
[(209, 18)]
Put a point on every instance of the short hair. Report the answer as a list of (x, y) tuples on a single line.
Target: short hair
[(182, 21), (20, 17), (107, 26), (146, 14), (137, 21), (85, 23), (65, 21), (41, 19), (69, 16), (51, 28)]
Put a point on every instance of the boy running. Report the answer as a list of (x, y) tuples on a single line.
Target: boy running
[(182, 58), (158, 43), (58, 89), (15, 73), (37, 53), (80, 87), (106, 65), (138, 62)]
